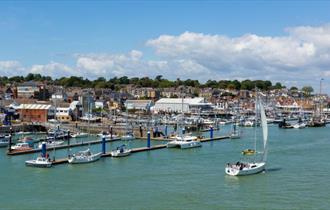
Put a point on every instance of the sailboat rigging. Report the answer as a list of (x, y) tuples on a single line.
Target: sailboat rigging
[(252, 167)]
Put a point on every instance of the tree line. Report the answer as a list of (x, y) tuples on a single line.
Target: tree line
[(157, 82)]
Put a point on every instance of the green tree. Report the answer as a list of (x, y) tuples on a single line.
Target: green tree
[(307, 90)]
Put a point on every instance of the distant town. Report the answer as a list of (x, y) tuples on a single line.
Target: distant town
[(41, 99)]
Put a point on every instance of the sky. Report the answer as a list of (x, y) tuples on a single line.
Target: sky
[(277, 40)]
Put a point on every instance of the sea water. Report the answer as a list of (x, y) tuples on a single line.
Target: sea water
[(297, 176)]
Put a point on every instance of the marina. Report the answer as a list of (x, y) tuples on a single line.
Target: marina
[(197, 171)]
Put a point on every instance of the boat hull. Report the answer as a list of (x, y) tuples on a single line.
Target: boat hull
[(184, 144), (4, 143), (32, 163), (191, 144), (117, 153), (236, 170), (89, 159)]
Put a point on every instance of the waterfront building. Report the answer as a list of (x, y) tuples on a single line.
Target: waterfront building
[(27, 89), (63, 114), (36, 112), (143, 105), (187, 105)]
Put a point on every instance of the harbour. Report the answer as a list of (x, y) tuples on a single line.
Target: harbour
[(164, 105), (176, 174)]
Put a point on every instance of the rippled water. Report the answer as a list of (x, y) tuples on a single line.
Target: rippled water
[(296, 177)]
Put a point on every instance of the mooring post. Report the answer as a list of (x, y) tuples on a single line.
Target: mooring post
[(111, 132), (211, 132), (43, 149), (165, 131), (148, 139), (103, 145), (68, 137), (10, 139)]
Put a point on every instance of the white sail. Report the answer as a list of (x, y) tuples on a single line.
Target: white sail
[(264, 130)]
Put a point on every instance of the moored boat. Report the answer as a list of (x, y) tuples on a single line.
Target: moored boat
[(50, 143), (21, 146), (4, 142), (85, 156), (79, 135), (40, 162), (121, 151), (184, 142)]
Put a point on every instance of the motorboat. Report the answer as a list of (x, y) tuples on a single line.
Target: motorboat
[(248, 152), (5, 136), (23, 133), (79, 135), (4, 142), (128, 136), (106, 135), (85, 156), (121, 151), (26, 139), (58, 133), (248, 123), (284, 124), (299, 125), (21, 146), (241, 168), (40, 162), (50, 143), (184, 142)]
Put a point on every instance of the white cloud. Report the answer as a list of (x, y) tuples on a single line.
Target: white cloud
[(11, 68), (55, 70), (302, 56)]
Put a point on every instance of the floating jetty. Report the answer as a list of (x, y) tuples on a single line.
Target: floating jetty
[(29, 151), (142, 149), (108, 154)]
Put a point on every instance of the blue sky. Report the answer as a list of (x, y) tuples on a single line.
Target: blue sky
[(145, 38)]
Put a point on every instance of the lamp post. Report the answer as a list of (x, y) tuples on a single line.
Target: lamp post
[(321, 102)]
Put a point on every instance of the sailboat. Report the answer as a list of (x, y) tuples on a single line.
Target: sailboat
[(121, 151), (235, 132), (129, 135), (85, 156), (248, 167)]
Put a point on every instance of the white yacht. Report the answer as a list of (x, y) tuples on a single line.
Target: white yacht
[(248, 167), (84, 157), (128, 136), (40, 162), (184, 142), (79, 135), (241, 169), (299, 125), (50, 143), (106, 135), (4, 142), (21, 146), (121, 151), (58, 133)]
